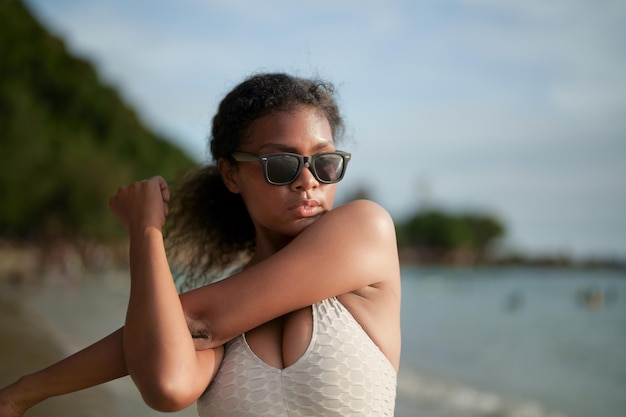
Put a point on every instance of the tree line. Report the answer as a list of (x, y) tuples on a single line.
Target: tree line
[(437, 235), (440, 236), (67, 139)]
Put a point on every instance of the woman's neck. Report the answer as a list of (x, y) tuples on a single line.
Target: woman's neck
[(266, 247)]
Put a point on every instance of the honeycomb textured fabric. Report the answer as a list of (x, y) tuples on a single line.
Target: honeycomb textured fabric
[(342, 373)]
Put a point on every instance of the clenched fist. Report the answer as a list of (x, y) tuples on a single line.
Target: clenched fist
[(142, 205)]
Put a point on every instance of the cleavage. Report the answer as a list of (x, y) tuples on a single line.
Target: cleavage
[(281, 342)]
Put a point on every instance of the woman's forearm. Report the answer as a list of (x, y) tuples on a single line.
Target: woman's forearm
[(158, 347), (99, 363)]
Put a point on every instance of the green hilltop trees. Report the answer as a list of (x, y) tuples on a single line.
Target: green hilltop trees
[(441, 233), (435, 235), (67, 141)]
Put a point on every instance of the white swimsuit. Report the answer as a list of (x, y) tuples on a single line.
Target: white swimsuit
[(342, 373)]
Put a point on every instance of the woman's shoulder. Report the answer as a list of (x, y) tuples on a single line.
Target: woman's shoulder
[(364, 211), (362, 204), (363, 217), (364, 233), (375, 306)]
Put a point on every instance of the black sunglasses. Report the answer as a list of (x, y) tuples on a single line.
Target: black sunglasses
[(283, 168)]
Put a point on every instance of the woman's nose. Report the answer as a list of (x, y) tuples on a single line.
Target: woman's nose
[(306, 180)]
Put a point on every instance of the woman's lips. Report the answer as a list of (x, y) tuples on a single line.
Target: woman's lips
[(306, 208)]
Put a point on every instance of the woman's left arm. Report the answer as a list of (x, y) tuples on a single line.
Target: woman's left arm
[(160, 353), (350, 249)]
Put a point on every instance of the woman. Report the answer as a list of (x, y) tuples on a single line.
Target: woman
[(308, 326)]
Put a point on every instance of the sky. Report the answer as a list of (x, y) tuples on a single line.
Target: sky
[(512, 108)]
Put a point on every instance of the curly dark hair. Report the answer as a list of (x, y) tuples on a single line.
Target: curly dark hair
[(209, 229)]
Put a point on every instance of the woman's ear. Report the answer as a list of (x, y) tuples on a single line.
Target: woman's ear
[(228, 171)]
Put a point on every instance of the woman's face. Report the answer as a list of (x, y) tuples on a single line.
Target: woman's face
[(281, 212)]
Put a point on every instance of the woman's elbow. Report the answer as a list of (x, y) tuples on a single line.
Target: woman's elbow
[(168, 395)]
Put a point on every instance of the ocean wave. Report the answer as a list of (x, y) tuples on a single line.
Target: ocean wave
[(424, 396)]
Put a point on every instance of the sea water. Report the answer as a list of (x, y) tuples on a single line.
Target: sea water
[(513, 342), (506, 342)]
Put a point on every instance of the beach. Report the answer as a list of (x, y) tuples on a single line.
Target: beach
[(44, 322), (28, 345), (514, 342)]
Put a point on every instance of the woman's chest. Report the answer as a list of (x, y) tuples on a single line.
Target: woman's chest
[(282, 341)]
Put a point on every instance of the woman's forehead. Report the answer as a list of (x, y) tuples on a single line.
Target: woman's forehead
[(290, 128)]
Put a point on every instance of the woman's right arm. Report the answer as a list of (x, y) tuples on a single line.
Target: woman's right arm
[(99, 363), (155, 346), (96, 364)]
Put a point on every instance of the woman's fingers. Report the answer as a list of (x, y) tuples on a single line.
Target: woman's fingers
[(142, 204)]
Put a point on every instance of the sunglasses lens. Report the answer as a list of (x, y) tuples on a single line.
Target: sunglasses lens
[(329, 167), (282, 169)]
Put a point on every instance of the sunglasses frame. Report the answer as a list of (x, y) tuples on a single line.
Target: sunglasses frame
[(303, 161)]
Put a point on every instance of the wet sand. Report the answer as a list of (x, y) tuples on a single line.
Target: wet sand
[(45, 322), (28, 346)]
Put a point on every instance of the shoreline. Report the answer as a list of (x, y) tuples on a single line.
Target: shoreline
[(45, 321), (29, 263), (38, 328), (33, 340), (28, 346)]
